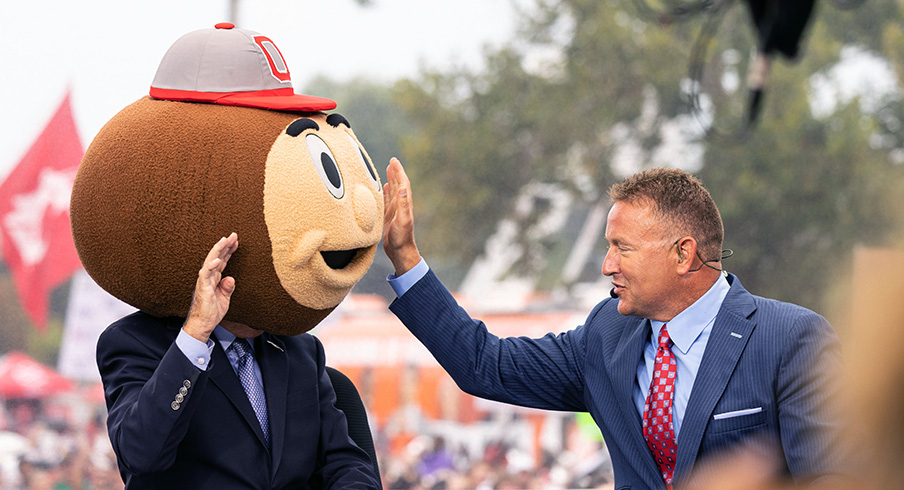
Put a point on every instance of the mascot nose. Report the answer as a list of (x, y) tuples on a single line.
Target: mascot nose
[(365, 208)]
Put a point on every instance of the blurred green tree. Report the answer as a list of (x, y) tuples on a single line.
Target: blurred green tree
[(591, 91)]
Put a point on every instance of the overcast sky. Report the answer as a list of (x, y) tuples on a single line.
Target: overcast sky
[(107, 51)]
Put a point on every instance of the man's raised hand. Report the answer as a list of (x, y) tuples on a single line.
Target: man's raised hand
[(398, 219), (210, 301)]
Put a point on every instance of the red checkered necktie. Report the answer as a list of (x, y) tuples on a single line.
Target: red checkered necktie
[(657, 412)]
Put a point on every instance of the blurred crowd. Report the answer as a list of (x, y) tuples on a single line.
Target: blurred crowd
[(428, 463), (56, 445), (62, 444)]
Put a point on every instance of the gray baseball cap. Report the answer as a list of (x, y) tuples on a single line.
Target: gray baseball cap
[(230, 66)]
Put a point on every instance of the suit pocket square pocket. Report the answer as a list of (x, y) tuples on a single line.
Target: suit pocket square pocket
[(737, 413), (738, 420)]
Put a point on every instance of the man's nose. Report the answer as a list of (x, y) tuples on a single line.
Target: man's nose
[(609, 266)]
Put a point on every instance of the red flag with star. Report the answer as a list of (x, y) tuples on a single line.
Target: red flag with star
[(34, 214)]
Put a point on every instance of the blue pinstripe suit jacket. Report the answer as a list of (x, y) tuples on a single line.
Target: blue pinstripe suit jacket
[(776, 358)]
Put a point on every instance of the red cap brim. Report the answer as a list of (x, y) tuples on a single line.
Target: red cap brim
[(277, 100)]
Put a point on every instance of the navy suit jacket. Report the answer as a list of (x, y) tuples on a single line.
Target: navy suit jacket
[(775, 358), (175, 426)]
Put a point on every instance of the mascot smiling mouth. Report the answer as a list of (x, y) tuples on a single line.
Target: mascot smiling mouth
[(338, 259)]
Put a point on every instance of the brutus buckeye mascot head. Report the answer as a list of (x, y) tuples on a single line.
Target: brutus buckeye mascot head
[(224, 144)]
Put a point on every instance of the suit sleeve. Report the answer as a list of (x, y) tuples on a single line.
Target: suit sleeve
[(541, 373), (149, 390), (808, 383), (341, 463)]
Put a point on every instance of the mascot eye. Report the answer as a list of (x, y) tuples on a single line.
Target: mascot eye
[(325, 164), (365, 162)]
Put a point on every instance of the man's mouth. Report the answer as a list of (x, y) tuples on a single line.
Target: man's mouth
[(338, 259)]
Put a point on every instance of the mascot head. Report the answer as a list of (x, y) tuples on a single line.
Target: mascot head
[(224, 144)]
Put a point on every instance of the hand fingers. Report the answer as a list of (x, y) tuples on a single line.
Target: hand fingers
[(397, 197), (388, 187), (227, 286), (230, 246), (392, 175), (398, 179), (219, 255), (388, 205), (224, 248), (390, 191), (404, 207), (396, 175), (215, 252), (386, 195), (212, 291)]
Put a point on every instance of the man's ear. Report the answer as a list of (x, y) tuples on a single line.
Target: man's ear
[(687, 250)]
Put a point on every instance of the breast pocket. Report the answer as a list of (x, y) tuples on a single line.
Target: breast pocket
[(738, 420)]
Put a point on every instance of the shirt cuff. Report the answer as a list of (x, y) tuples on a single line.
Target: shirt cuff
[(403, 283), (197, 352)]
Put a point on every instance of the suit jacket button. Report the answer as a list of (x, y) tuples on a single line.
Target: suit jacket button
[(183, 391), (175, 405), (186, 383), (179, 398)]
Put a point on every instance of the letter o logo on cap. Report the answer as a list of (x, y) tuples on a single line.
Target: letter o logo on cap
[(278, 66)]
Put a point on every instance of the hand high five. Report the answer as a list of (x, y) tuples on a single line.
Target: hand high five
[(398, 219)]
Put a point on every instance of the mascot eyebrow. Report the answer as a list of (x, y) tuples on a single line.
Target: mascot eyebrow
[(299, 125), (335, 120)]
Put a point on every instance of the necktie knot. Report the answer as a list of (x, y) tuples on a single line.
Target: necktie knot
[(242, 350), (241, 347), (665, 342)]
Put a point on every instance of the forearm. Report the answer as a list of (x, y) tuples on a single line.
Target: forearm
[(539, 373), (146, 422)]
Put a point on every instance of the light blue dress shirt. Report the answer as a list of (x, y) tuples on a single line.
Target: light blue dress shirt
[(401, 284), (689, 331), (197, 352)]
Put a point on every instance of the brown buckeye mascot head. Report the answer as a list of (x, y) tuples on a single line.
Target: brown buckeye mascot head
[(224, 144)]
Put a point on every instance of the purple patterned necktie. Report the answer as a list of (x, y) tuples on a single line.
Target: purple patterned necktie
[(254, 391), (657, 413)]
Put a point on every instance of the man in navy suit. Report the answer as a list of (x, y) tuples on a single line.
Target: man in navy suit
[(180, 417), (746, 371)]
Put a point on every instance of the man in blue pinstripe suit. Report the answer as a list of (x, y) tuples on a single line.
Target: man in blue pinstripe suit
[(751, 372)]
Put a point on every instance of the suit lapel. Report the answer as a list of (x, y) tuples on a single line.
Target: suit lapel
[(727, 341), (624, 369), (274, 366), (224, 377)]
